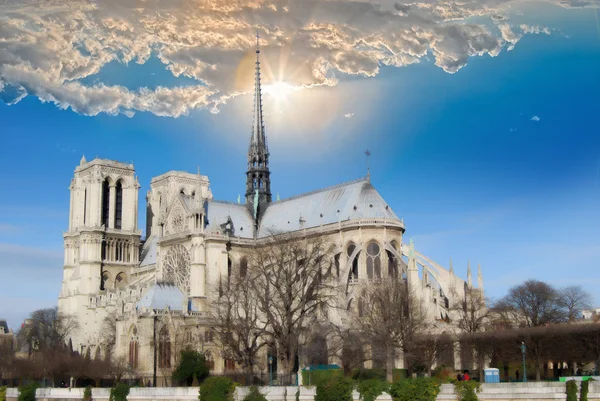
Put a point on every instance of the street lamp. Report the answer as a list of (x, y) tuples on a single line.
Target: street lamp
[(270, 370), (523, 349)]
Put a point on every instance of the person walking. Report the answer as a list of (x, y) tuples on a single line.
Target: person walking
[(517, 374), (466, 376)]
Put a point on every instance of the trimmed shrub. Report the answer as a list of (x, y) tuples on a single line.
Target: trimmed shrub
[(467, 390), (27, 393), (335, 389), (192, 365), (217, 389), (87, 394), (421, 389), (371, 389), (255, 395), (314, 377), (571, 390), (3, 393), (583, 394), (368, 374), (119, 392)]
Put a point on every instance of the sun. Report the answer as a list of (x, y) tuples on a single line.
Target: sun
[(279, 90)]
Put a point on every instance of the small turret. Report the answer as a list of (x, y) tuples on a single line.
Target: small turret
[(479, 279)]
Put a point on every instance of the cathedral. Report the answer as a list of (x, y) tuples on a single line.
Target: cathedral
[(134, 297)]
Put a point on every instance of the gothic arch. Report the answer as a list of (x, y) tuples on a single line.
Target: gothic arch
[(119, 203), (164, 348), (121, 280), (133, 347), (243, 266), (107, 280), (373, 260)]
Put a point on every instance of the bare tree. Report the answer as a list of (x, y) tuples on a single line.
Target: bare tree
[(118, 368), (47, 330), (235, 318), (389, 313), (574, 299), (429, 349), (7, 358), (109, 335), (471, 314), (534, 303), (290, 285)]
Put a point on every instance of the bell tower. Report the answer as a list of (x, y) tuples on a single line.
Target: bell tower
[(258, 177)]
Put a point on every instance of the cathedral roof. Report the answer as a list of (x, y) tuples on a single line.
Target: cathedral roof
[(219, 213), (348, 201), (148, 256), (161, 296), (4, 325)]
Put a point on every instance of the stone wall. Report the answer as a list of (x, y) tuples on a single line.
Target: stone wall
[(533, 391)]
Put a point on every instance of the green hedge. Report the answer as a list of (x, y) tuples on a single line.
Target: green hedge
[(27, 393), (399, 374), (119, 392), (421, 389), (335, 389), (217, 389), (255, 395), (2, 393), (467, 390), (87, 394), (371, 389), (571, 390), (314, 377)]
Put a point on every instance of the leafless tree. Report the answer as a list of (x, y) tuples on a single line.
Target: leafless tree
[(7, 358), (118, 368), (429, 349), (534, 303), (471, 314), (109, 335), (390, 314), (235, 318), (574, 299), (47, 330), (290, 284)]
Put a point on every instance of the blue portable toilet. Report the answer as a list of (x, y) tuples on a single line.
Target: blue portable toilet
[(492, 375)]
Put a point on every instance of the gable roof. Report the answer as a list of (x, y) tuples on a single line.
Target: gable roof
[(148, 256), (348, 201)]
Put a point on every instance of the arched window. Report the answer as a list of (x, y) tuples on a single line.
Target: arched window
[(107, 283), (354, 271), (133, 349), (121, 280), (373, 261), (84, 206), (229, 267), (105, 203), (243, 267), (392, 265), (336, 262), (164, 348), (119, 205)]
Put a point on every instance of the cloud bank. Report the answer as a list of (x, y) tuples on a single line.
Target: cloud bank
[(56, 50)]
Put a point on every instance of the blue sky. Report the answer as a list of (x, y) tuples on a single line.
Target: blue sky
[(497, 163)]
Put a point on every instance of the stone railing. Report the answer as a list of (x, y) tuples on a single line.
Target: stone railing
[(533, 391)]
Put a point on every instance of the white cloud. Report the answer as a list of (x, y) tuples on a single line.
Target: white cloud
[(535, 118), (349, 115), (48, 48)]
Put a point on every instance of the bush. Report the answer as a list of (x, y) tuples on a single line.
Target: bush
[(217, 389), (467, 390), (255, 395), (335, 389), (371, 389), (314, 377), (192, 364), (583, 395), (2, 393), (28, 392), (119, 392), (399, 374), (421, 389), (87, 394), (571, 390), (368, 374)]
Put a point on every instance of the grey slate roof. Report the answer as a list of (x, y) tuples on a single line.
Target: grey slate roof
[(348, 201), (219, 212), (148, 256), (162, 295)]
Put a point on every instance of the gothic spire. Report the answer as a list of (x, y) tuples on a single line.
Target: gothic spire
[(258, 177)]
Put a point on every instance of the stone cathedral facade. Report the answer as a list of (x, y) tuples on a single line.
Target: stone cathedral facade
[(139, 299)]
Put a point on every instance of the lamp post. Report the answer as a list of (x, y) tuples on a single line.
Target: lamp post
[(523, 349), (270, 370)]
